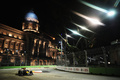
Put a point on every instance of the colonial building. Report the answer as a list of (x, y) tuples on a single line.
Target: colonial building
[(26, 47)]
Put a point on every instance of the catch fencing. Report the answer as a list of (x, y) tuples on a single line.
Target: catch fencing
[(99, 57)]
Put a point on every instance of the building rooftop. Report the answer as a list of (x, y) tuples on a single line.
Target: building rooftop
[(31, 16)]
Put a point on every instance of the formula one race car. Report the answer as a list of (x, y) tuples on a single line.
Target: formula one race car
[(23, 72)]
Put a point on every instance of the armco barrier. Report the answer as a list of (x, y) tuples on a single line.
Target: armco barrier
[(74, 69)]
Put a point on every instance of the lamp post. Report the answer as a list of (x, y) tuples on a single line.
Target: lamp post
[(61, 51), (66, 48)]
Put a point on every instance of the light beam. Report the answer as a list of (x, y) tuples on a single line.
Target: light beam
[(116, 3), (109, 13), (83, 28), (93, 6), (69, 36), (92, 20), (75, 32)]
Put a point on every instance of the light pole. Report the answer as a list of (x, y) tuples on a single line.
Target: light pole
[(61, 51), (86, 63)]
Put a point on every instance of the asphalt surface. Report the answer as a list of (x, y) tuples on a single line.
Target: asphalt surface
[(51, 74)]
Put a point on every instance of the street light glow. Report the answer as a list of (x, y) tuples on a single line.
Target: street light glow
[(111, 13), (92, 20), (53, 38), (83, 28)]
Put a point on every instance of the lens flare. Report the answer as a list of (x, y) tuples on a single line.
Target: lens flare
[(83, 28), (109, 13), (92, 20), (116, 3), (69, 36), (76, 33), (93, 6)]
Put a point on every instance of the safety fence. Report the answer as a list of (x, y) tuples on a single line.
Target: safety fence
[(99, 57)]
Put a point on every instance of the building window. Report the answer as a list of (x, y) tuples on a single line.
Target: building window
[(13, 52), (16, 50), (35, 42), (1, 43), (1, 32), (4, 33), (21, 47), (40, 42), (20, 37), (10, 34), (44, 44), (6, 44), (33, 51), (30, 26), (22, 54), (12, 60), (15, 36), (1, 51), (17, 45), (37, 27), (0, 58), (11, 45), (23, 27)]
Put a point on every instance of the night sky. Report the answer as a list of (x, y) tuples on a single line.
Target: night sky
[(55, 16)]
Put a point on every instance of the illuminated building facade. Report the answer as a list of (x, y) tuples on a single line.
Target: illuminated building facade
[(26, 47)]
